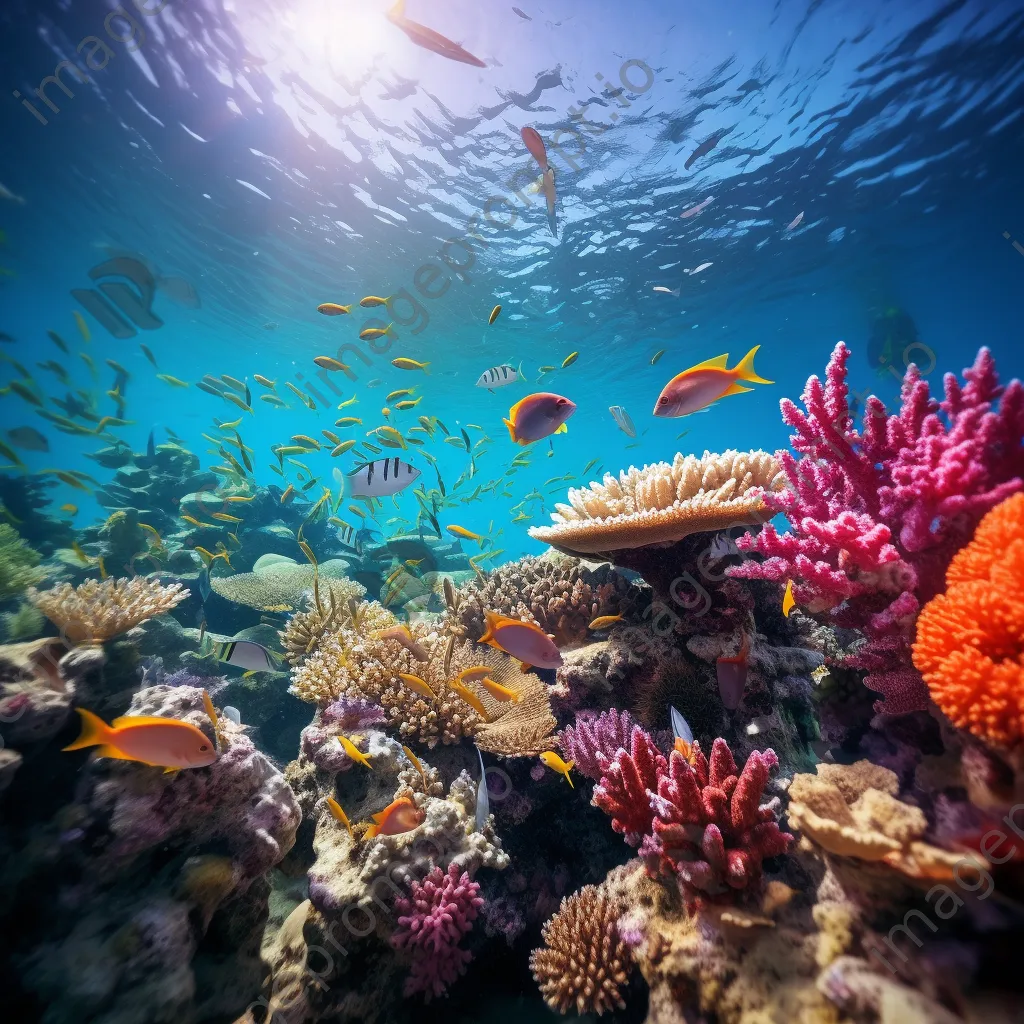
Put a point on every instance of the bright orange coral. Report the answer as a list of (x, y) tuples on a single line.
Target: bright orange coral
[(970, 640)]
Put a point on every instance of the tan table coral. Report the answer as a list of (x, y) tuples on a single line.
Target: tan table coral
[(853, 811), (279, 584), (663, 503), (97, 610)]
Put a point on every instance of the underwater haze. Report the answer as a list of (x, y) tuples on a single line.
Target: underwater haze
[(391, 434)]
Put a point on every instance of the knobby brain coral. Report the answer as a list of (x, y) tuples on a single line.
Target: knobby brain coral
[(970, 640), (664, 502), (435, 916), (95, 611), (555, 591), (877, 514), (583, 963)]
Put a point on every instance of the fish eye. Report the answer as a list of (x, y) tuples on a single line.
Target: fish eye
[(203, 749), (663, 401)]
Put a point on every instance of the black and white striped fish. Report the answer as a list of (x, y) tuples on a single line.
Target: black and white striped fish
[(246, 655), (350, 538), (500, 376), (381, 478)]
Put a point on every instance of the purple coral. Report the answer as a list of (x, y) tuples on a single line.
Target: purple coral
[(876, 515), (593, 737), (240, 801), (710, 827), (318, 741), (434, 917)]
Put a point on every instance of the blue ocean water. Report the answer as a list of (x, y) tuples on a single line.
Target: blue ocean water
[(275, 156)]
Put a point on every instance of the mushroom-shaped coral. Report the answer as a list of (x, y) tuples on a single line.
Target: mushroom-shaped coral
[(434, 917), (95, 610), (853, 811), (583, 963), (970, 640), (710, 827), (664, 502), (278, 584), (556, 592)]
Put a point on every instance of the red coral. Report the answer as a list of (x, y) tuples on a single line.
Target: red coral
[(710, 827), (628, 779)]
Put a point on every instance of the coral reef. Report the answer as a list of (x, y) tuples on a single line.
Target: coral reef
[(595, 739), (853, 811), (970, 639), (710, 827), (556, 592), (664, 502), (19, 564), (877, 514), (277, 583), (584, 962), (629, 781), (355, 661), (97, 611), (434, 917)]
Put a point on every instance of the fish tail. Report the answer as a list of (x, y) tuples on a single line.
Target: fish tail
[(519, 370), (371, 832), (567, 779), (95, 732), (744, 369)]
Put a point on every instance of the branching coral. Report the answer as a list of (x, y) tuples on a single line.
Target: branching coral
[(853, 811), (970, 640), (19, 564), (95, 611), (593, 736), (628, 782), (328, 607), (877, 514), (357, 662), (556, 592), (435, 916), (584, 963), (663, 503), (710, 827), (277, 583)]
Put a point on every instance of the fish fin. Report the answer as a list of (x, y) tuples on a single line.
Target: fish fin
[(744, 369), (94, 731), (524, 666), (371, 832), (735, 389), (563, 429), (118, 755), (511, 429), (171, 771), (718, 363), (120, 723), (398, 11), (567, 779), (519, 370)]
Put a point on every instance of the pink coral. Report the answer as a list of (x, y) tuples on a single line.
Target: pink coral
[(625, 787), (593, 736), (710, 826), (877, 514), (436, 914)]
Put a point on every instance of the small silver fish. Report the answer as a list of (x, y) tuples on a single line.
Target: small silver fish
[(622, 420), (680, 727), (233, 713), (500, 376), (483, 800), (382, 478)]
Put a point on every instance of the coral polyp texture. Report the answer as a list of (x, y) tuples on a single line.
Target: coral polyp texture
[(595, 739), (629, 778), (356, 662), (434, 917), (96, 611), (277, 583), (877, 514), (584, 962), (556, 592), (970, 639), (664, 502), (710, 827)]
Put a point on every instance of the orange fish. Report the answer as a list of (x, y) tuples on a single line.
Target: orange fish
[(401, 635), (469, 697), (696, 388), (499, 692), (528, 643), (538, 416), (429, 39), (161, 742), (332, 308), (546, 184), (400, 816)]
